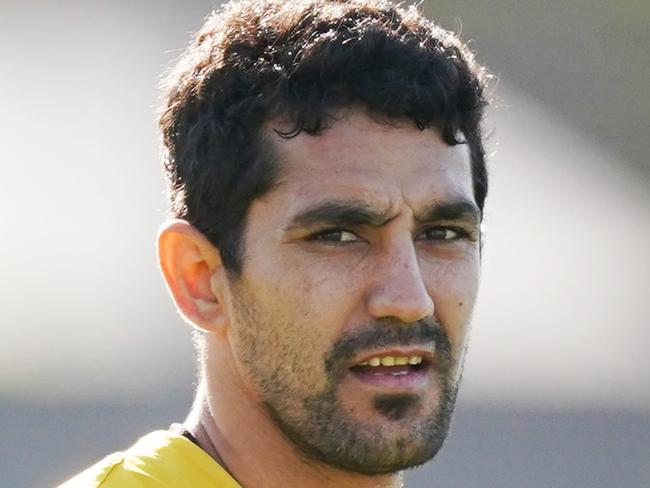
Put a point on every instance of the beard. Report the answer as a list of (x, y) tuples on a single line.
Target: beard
[(301, 393)]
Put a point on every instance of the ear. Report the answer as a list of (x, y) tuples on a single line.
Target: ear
[(194, 274)]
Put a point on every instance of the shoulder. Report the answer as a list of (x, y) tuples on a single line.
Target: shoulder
[(98, 474), (158, 460)]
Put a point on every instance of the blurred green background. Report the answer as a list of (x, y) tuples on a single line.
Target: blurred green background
[(556, 390)]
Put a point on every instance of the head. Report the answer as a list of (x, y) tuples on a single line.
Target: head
[(328, 159)]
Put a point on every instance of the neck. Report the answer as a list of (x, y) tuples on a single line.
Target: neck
[(239, 435)]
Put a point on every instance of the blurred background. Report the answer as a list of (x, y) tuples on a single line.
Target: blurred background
[(93, 354)]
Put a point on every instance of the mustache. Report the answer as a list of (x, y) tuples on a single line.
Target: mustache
[(387, 333)]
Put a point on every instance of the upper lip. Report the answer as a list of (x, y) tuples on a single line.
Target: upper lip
[(426, 353)]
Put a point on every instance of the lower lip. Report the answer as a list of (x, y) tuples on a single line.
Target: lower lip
[(409, 381)]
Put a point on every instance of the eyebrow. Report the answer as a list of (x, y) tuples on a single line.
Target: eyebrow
[(357, 213), (341, 213), (451, 210)]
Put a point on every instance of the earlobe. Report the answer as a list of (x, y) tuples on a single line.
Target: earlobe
[(191, 266)]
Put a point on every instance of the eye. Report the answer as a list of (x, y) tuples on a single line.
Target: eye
[(444, 234), (334, 235)]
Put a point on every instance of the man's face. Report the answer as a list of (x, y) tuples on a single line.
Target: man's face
[(366, 252)]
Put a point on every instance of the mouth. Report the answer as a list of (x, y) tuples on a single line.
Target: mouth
[(399, 369)]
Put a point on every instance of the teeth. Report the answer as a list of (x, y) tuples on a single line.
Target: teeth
[(399, 373), (392, 361), (388, 361)]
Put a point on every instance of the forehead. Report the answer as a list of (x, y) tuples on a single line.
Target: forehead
[(386, 165)]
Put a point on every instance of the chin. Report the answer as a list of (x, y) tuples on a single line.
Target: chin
[(402, 433)]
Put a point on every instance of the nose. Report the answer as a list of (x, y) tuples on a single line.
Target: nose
[(399, 291)]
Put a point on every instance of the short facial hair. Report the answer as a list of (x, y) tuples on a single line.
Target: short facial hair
[(321, 427)]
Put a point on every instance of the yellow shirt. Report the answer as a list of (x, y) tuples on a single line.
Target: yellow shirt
[(157, 460)]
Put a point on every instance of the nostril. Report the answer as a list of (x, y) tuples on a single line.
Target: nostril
[(401, 305)]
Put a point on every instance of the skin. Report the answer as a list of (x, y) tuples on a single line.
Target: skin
[(307, 282)]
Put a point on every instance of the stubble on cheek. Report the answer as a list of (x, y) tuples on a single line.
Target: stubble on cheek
[(278, 354)]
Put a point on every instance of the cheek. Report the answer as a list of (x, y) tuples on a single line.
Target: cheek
[(454, 286), (279, 349), (293, 331), (326, 291)]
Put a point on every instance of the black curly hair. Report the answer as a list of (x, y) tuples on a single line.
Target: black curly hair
[(259, 61)]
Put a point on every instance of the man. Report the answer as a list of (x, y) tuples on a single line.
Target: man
[(327, 179)]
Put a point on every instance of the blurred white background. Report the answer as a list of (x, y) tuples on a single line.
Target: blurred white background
[(93, 354)]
